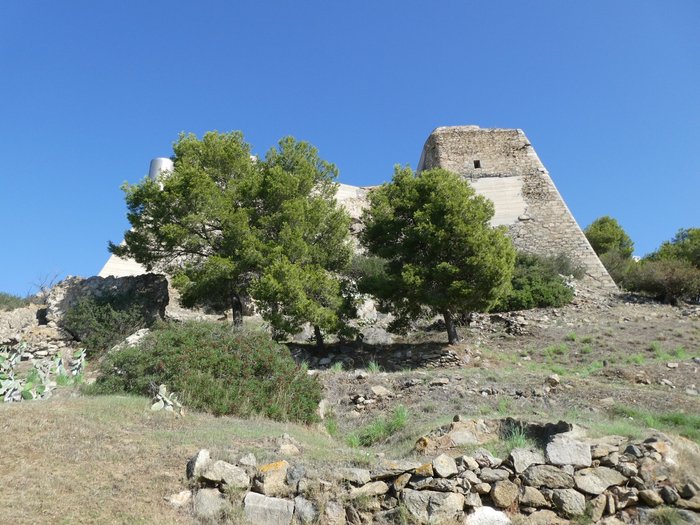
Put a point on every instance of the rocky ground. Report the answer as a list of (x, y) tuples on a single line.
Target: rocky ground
[(612, 366)]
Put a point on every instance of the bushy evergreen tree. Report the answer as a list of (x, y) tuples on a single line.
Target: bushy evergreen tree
[(226, 225), (605, 235), (441, 253)]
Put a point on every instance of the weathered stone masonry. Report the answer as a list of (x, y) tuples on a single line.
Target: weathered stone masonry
[(502, 165)]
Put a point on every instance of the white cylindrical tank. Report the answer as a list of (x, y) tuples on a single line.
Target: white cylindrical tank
[(159, 165)]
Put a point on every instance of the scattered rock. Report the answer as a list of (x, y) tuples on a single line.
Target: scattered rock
[(374, 488), (521, 458), (650, 497), (356, 476), (265, 510), (333, 514), (596, 507), (180, 499), (547, 476), (487, 516), (221, 472), (381, 391), (197, 464), (208, 503), (563, 450), (531, 497), (570, 502), (504, 493), (669, 495), (444, 466), (271, 479), (490, 475), (305, 511), (249, 460), (595, 480), (433, 507)]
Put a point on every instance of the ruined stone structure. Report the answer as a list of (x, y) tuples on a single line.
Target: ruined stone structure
[(501, 165)]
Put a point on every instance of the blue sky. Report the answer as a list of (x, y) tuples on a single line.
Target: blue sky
[(607, 91)]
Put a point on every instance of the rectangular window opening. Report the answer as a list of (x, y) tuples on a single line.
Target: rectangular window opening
[(477, 163)]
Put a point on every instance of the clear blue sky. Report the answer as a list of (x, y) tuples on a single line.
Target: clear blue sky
[(607, 91)]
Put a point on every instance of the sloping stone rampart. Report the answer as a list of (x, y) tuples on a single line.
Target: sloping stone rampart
[(502, 165)]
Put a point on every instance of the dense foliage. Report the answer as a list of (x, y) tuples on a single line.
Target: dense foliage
[(667, 280), (101, 323), (606, 235), (685, 246), (537, 283), (228, 226), (441, 253), (217, 369)]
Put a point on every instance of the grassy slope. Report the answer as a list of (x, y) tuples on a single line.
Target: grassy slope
[(111, 460)]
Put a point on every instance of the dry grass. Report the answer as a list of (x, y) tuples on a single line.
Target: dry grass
[(111, 460)]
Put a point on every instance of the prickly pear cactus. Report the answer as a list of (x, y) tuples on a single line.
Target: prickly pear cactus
[(164, 400)]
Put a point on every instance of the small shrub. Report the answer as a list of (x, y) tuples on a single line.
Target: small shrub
[(554, 351), (373, 367), (537, 283), (516, 437), (216, 369), (666, 516), (9, 301), (618, 266), (571, 336), (336, 367), (101, 323), (635, 359), (667, 280), (504, 405), (331, 425), (380, 429)]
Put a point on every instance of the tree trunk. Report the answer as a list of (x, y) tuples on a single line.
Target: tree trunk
[(236, 309), (319, 338), (452, 335)]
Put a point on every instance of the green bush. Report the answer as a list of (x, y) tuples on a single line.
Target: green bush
[(618, 266), (537, 283), (9, 301), (668, 280), (101, 323), (380, 429), (605, 235), (216, 369)]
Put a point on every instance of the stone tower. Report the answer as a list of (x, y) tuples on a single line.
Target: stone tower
[(502, 165)]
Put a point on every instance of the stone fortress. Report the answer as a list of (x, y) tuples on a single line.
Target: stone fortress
[(501, 165)]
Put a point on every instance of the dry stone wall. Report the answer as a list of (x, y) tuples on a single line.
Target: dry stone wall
[(600, 480), (502, 165)]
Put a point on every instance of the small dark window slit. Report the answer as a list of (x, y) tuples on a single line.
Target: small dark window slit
[(477, 163)]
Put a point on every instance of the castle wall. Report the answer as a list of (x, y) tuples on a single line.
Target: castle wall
[(502, 165)]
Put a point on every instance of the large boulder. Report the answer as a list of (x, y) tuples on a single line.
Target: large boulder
[(264, 510), (208, 503), (148, 291), (595, 480), (563, 450), (547, 476), (569, 502), (427, 506)]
